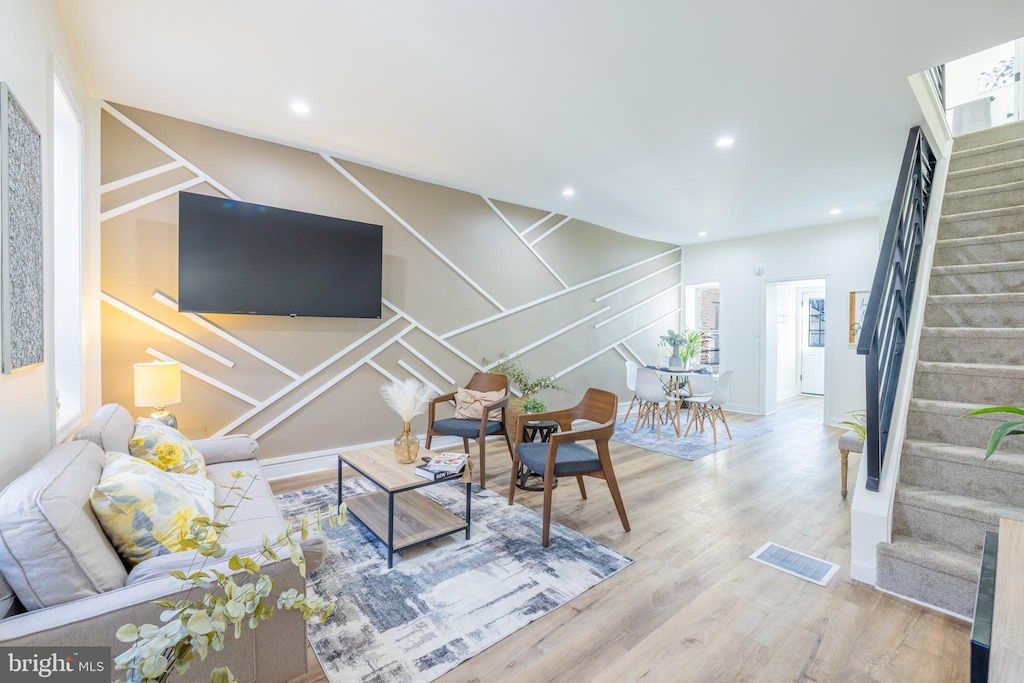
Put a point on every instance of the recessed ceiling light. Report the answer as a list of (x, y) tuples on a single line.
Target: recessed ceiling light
[(568, 192), (835, 212), (300, 107), (724, 141), (702, 233)]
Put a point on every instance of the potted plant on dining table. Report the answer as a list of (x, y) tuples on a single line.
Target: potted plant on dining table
[(686, 346)]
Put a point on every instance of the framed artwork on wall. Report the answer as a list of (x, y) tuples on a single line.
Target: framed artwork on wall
[(858, 307), (21, 236)]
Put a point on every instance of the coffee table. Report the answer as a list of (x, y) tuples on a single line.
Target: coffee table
[(397, 514)]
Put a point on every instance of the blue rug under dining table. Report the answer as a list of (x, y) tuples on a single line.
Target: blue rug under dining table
[(693, 447)]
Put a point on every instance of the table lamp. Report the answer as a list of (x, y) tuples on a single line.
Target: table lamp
[(157, 385)]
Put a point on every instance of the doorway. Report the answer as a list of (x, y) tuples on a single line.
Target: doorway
[(794, 342)]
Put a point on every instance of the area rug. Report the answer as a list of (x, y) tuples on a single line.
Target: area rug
[(693, 447), (445, 601)]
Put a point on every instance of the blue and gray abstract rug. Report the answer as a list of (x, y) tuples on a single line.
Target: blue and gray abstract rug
[(445, 601), (693, 447)]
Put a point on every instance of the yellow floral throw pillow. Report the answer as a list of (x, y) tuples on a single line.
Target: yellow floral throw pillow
[(145, 511), (165, 447)]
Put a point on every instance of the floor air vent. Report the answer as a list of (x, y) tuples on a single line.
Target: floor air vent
[(790, 561)]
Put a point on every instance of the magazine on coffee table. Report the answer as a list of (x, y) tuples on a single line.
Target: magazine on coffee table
[(447, 462)]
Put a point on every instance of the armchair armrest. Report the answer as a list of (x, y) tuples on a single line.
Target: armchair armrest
[(233, 448)]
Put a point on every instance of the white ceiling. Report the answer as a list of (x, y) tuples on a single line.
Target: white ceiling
[(622, 101)]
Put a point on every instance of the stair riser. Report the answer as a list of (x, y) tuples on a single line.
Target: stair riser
[(992, 390), (972, 315), (947, 592), (990, 282), (960, 430), (997, 252), (973, 181), (960, 163), (971, 349), (989, 136), (951, 228), (963, 479), (966, 535), (996, 199)]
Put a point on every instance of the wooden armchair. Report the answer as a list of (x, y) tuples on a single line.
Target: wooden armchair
[(478, 429), (563, 455)]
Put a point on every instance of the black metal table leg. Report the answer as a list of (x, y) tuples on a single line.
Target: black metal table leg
[(469, 488), (391, 527)]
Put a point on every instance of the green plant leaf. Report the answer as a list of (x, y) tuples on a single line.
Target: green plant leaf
[(1003, 430)]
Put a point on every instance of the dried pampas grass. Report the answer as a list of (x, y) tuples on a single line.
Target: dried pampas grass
[(407, 397)]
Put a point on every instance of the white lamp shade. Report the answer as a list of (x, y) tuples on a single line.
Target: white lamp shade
[(157, 384)]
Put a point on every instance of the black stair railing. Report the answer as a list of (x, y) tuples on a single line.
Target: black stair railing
[(883, 334)]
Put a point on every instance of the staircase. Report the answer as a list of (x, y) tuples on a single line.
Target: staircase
[(971, 355)]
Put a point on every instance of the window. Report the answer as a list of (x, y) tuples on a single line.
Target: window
[(816, 323), (67, 259)]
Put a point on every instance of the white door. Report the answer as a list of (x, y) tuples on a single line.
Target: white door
[(812, 342)]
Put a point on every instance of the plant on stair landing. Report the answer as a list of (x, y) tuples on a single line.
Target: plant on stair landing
[(1008, 428)]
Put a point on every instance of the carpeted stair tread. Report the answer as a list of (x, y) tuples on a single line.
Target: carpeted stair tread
[(1005, 132), (957, 505), (1008, 372), (971, 333), (967, 153), (985, 214), (1011, 463), (985, 170), (1014, 186), (978, 268), (977, 240), (975, 299), (935, 556)]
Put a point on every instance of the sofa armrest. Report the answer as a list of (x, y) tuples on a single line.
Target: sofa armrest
[(218, 449), (276, 651)]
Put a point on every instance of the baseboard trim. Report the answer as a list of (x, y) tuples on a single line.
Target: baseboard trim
[(928, 606)]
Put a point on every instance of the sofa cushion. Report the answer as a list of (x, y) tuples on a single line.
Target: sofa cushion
[(255, 515), (110, 429), (7, 598), (166, 447), (146, 511), (52, 549)]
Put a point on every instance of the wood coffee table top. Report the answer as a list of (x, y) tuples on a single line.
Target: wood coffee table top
[(378, 463)]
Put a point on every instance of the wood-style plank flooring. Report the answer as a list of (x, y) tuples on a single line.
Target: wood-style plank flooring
[(693, 607)]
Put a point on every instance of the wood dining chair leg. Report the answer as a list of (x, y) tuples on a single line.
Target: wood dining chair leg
[(583, 489), (628, 410), (613, 488), (465, 445), (483, 447)]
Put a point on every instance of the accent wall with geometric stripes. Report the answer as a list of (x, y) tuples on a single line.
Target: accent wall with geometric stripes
[(466, 277)]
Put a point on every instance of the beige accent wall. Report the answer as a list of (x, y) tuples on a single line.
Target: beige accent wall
[(434, 318)]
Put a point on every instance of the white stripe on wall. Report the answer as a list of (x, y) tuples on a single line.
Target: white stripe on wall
[(188, 369), (169, 331), (423, 240)]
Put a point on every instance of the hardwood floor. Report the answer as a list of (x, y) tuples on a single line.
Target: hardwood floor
[(693, 607)]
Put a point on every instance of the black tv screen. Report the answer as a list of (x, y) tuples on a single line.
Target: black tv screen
[(236, 257)]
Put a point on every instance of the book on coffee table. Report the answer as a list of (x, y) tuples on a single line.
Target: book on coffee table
[(427, 473), (447, 462)]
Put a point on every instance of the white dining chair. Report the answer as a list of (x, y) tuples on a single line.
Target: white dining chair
[(631, 369), (710, 407), (656, 406)]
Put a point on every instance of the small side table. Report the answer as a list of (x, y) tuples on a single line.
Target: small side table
[(531, 430)]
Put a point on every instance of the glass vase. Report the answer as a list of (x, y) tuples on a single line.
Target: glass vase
[(407, 446)]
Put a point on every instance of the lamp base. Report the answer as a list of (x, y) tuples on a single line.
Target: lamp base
[(161, 415)]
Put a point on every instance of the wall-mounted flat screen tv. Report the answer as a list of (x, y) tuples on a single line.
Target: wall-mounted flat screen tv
[(236, 257)]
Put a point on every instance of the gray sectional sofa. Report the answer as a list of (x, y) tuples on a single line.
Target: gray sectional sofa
[(63, 584)]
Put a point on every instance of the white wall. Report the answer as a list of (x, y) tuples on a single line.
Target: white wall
[(32, 41), (844, 253)]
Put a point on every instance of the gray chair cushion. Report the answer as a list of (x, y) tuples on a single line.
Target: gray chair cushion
[(110, 429), (454, 426), (849, 441), (572, 458), (52, 549)]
